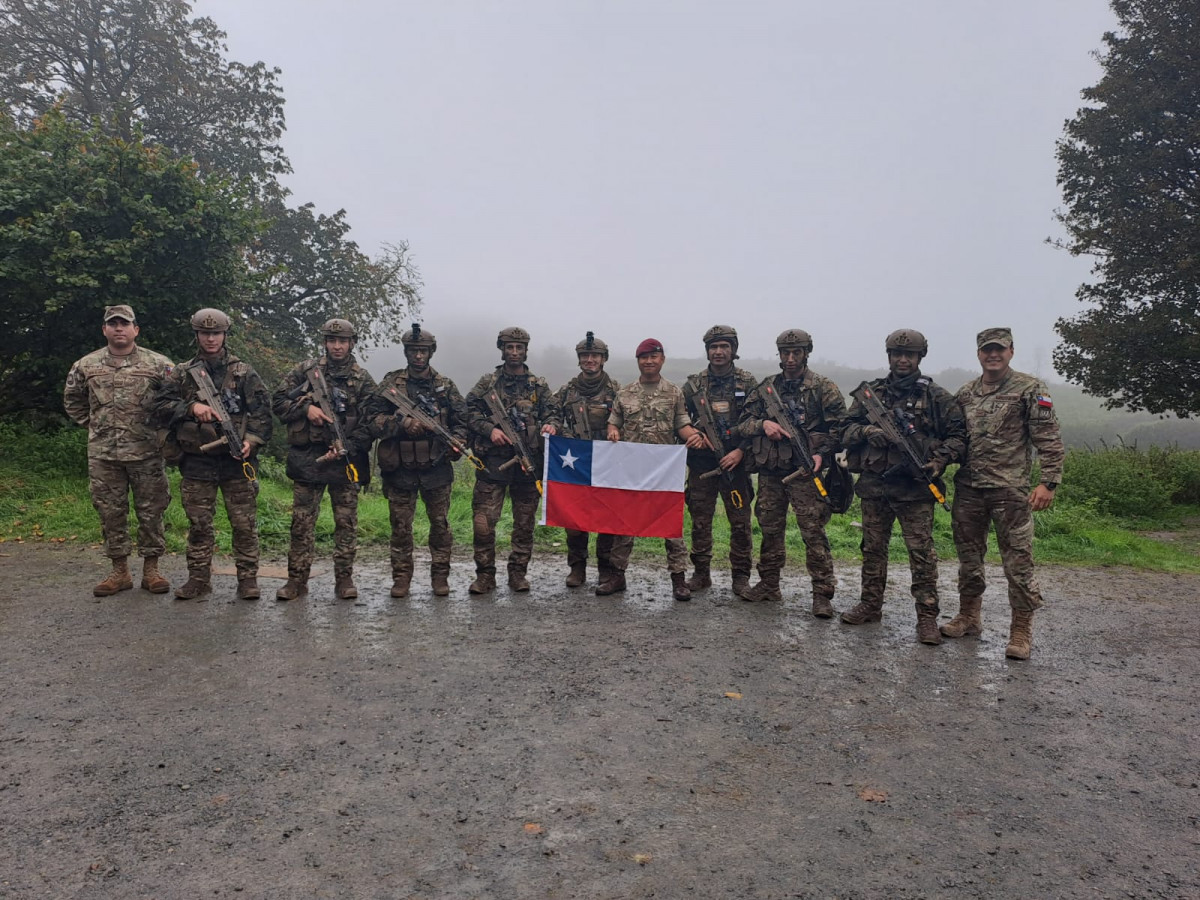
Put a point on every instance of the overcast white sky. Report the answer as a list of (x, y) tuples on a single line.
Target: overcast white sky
[(653, 167)]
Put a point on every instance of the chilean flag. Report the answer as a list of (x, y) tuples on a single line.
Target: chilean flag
[(614, 487)]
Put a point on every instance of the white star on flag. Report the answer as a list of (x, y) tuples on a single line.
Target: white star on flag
[(568, 461)]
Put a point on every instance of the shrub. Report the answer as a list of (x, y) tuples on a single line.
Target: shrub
[(1119, 481)]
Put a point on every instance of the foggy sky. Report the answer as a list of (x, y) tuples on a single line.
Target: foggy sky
[(652, 167)]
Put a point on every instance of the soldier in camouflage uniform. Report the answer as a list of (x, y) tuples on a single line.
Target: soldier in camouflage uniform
[(110, 391), (192, 426), (815, 405), (651, 410), (890, 490), (724, 388), (314, 463), (586, 402), (1009, 416), (533, 412), (414, 461)]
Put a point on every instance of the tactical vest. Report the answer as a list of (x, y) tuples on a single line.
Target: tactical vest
[(779, 456), (192, 435), (343, 395), (726, 407), (587, 417), (403, 451), (524, 400), (917, 415)]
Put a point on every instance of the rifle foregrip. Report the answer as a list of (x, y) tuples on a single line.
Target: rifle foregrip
[(222, 441)]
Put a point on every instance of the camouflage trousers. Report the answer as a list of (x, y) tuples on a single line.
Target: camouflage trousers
[(487, 503), (241, 506), (975, 509), (111, 483), (812, 515), (916, 525), (677, 555), (577, 550), (402, 508), (306, 507), (702, 504)]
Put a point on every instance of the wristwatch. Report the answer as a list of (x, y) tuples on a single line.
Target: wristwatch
[(1051, 485)]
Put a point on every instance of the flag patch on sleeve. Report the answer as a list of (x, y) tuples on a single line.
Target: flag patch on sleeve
[(1044, 401)]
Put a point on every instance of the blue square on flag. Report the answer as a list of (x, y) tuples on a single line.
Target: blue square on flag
[(569, 461)]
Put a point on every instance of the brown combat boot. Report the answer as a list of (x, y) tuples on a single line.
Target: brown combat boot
[(344, 587), (613, 584), (1020, 635), (968, 622), (517, 581), (441, 583), (152, 580), (822, 607), (294, 589), (577, 576), (863, 612), (927, 629), (118, 580), (679, 588), (483, 584), (400, 585), (767, 590), (701, 579), (195, 587), (247, 588), (741, 584)]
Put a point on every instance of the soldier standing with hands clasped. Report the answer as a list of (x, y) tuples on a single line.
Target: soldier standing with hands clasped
[(321, 402), (111, 392), (1009, 416), (218, 412)]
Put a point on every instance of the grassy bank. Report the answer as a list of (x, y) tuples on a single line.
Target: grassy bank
[(1110, 501)]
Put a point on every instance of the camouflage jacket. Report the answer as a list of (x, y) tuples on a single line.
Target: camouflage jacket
[(936, 424), (350, 386), (246, 399), (726, 396), (650, 413), (585, 414), (530, 404), (406, 461), (113, 396), (816, 405), (1005, 425)]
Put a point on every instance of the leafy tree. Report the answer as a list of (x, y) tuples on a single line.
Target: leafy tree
[(146, 67), (89, 220), (1129, 169)]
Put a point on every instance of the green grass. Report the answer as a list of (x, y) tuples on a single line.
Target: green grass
[(44, 497)]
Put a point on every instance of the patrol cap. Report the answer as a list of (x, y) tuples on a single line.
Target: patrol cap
[(1001, 336), (649, 345), (120, 311)]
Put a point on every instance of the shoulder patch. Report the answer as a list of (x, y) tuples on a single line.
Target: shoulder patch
[(1044, 401)]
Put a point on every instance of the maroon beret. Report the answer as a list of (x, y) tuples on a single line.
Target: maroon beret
[(649, 345)]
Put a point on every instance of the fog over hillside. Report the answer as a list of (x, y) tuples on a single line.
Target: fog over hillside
[(468, 350)]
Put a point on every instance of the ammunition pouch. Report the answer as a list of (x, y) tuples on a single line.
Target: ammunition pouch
[(190, 436)]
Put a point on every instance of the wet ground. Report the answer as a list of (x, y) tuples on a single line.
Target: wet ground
[(556, 744)]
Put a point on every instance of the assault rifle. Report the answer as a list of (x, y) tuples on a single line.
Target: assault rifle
[(799, 441), (406, 407), (708, 427), (324, 399), (501, 419), (879, 417), (229, 433)]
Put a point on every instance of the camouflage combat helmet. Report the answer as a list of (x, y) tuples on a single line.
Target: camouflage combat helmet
[(907, 339), (210, 320), (419, 337), (512, 335), (722, 333), (338, 328), (794, 337), (592, 344)]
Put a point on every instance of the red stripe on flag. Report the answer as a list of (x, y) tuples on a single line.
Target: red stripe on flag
[(614, 511)]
